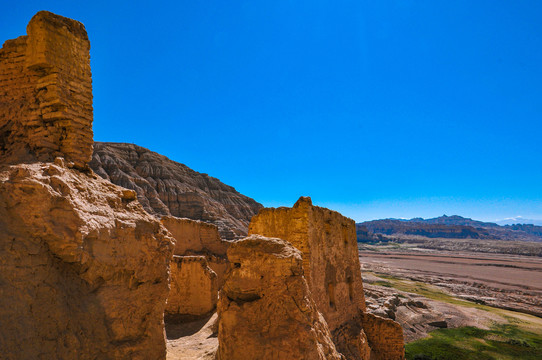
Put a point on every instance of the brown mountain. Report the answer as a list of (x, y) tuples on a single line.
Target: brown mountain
[(165, 187), (395, 227), (452, 227)]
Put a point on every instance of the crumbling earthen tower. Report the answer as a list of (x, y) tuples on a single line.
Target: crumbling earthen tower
[(46, 93)]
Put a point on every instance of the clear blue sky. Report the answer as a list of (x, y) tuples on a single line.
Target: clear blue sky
[(373, 108)]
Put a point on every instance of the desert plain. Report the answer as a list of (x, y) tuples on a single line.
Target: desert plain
[(436, 292)]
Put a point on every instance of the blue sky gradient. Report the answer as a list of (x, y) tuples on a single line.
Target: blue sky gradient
[(373, 108)]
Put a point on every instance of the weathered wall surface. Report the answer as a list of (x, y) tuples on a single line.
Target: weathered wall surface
[(195, 237), (46, 93), (83, 268), (385, 337), (265, 308), (193, 288), (328, 243)]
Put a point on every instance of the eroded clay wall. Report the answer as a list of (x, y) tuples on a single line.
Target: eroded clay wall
[(328, 243), (195, 237), (46, 93), (385, 336), (266, 310), (84, 270), (193, 288)]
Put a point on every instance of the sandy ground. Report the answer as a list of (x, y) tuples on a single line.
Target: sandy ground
[(497, 270), (504, 281), (192, 341)]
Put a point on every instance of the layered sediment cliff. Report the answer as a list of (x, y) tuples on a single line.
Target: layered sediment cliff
[(165, 187)]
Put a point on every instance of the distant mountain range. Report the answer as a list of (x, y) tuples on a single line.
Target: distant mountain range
[(519, 220), (453, 227)]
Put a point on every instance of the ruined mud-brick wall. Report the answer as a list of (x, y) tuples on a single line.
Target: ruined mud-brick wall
[(195, 237), (328, 243), (198, 269), (46, 93), (385, 337), (266, 310), (193, 289)]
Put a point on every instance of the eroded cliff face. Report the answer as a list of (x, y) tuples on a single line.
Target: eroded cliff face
[(84, 269), (165, 187), (46, 93), (327, 241), (266, 310)]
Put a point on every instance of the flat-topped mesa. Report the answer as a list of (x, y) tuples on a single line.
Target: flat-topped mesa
[(327, 241), (46, 93)]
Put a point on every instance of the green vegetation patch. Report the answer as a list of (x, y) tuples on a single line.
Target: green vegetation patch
[(503, 341), (382, 283), (423, 289)]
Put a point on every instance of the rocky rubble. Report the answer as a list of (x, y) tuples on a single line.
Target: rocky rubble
[(419, 315)]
